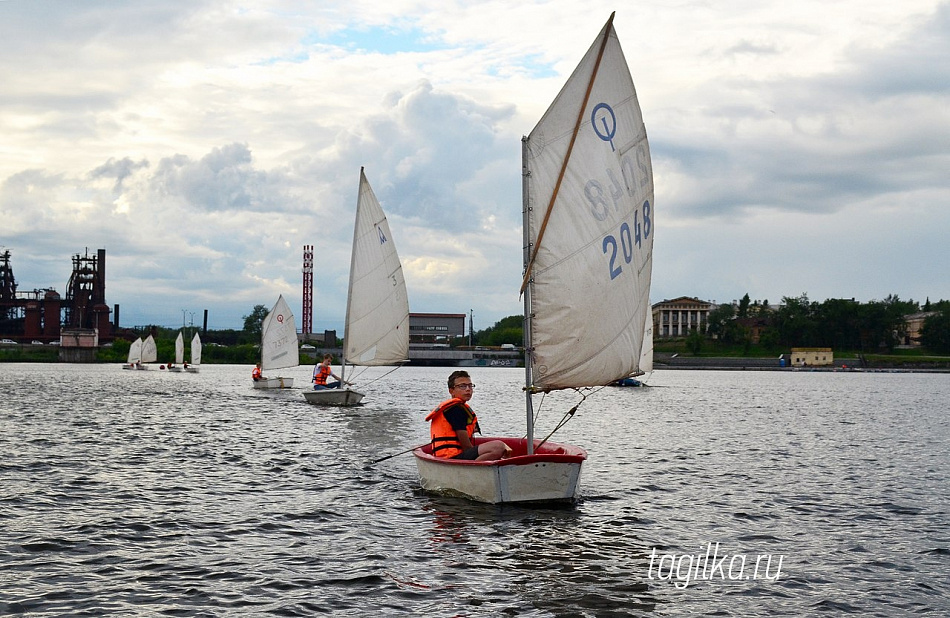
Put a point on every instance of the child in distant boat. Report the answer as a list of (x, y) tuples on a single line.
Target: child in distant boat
[(256, 373)]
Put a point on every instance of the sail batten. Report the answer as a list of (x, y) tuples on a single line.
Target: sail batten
[(589, 190), (377, 309)]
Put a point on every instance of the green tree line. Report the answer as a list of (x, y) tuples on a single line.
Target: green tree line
[(835, 323), (840, 324)]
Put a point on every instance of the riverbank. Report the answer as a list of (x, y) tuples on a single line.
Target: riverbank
[(735, 363)]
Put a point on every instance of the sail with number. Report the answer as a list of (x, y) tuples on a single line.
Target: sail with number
[(589, 227), (279, 338), (376, 331)]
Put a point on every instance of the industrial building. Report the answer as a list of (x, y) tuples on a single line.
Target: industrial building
[(43, 315), (435, 327)]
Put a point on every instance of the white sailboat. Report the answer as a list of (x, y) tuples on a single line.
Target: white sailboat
[(376, 331), (149, 353), (278, 345), (646, 353), (645, 366), (135, 354), (193, 367), (588, 237), (179, 353)]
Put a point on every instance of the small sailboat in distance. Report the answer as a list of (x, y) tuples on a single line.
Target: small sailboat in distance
[(193, 367), (278, 345), (135, 354), (149, 353), (645, 367), (179, 354), (376, 331), (588, 217)]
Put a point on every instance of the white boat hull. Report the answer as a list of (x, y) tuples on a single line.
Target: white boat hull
[(334, 397), (191, 369), (174, 369), (550, 475), (274, 383)]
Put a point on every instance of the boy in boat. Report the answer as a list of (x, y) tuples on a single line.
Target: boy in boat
[(256, 372), (454, 423), (323, 371)]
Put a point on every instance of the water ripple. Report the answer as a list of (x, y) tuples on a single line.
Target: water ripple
[(158, 494)]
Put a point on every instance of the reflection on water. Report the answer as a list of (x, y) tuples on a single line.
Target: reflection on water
[(145, 493)]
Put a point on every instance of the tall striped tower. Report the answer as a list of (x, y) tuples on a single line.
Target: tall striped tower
[(307, 324)]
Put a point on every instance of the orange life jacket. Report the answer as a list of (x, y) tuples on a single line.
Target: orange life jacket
[(256, 373), (322, 375), (445, 442)]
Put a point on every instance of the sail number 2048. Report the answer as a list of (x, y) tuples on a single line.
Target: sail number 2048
[(619, 248)]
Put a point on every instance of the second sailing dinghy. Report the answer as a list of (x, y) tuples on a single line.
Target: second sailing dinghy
[(588, 242), (135, 354), (645, 367), (195, 355), (376, 331), (149, 353), (179, 353), (278, 346)]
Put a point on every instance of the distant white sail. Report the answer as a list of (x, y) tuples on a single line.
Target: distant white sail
[(377, 308), (196, 350), (149, 351), (179, 349), (135, 351), (279, 338), (646, 353), (590, 246)]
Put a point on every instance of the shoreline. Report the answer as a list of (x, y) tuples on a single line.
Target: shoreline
[(668, 361)]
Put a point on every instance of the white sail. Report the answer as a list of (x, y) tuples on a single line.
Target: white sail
[(279, 338), (196, 350), (179, 349), (149, 351), (646, 352), (135, 351), (589, 226), (377, 308)]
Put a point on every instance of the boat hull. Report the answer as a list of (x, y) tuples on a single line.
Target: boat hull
[(551, 474), (191, 369), (334, 397), (175, 369), (274, 383)]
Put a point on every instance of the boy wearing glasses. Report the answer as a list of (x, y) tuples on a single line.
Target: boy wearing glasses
[(454, 423)]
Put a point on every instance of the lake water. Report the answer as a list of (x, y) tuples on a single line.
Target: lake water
[(159, 494)]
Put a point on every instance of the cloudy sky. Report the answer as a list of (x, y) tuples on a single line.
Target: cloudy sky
[(798, 147)]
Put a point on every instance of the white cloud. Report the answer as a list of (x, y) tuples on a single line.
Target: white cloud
[(203, 144)]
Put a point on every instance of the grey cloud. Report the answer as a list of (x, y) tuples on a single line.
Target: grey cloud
[(222, 180), (119, 169), (815, 144), (428, 148)]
